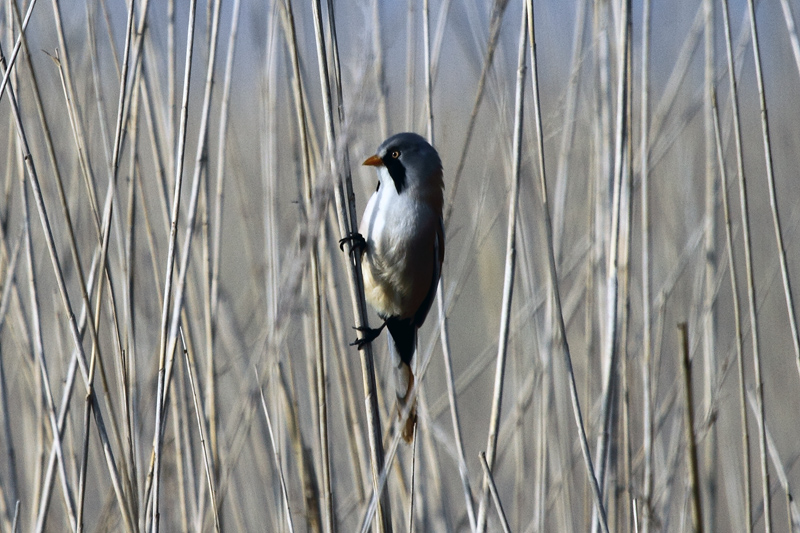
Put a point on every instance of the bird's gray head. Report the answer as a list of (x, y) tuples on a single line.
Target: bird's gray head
[(411, 162)]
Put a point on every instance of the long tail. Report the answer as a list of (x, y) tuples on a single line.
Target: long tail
[(404, 382), (404, 335)]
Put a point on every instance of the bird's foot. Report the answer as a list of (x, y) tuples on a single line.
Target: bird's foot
[(356, 241), (368, 335)]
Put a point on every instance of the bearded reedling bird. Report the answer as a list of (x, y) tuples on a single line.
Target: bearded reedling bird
[(403, 249)]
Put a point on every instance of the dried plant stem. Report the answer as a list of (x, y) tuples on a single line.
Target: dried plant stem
[(773, 196), (751, 289), (347, 223), (553, 281), (10, 491), (691, 446), (611, 347), (359, 457), (568, 132), (216, 245), (378, 69), (173, 234), (495, 495), (322, 409), (38, 351), (15, 51), (788, 16), (277, 457), (73, 248), (76, 336), (200, 416), (510, 264), (426, 39), (37, 347), (391, 451), (451, 394), (197, 179), (412, 482), (498, 9), (647, 405), (737, 320), (709, 489), (793, 513)]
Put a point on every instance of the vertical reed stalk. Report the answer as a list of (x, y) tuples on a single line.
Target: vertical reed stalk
[(173, 234), (510, 264), (751, 289), (347, 219), (553, 278), (709, 489), (691, 445), (737, 321), (773, 195), (647, 372), (495, 495), (76, 336)]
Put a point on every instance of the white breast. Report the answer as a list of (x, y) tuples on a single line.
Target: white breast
[(390, 226)]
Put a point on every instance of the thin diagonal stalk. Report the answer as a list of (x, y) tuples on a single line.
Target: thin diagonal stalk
[(276, 456), (38, 350), (791, 503), (197, 178), (358, 454), (451, 394), (773, 196), (553, 280), (788, 16), (57, 449), (378, 69), (347, 224), (103, 236), (11, 489), (510, 264), (495, 495), (9, 493), (76, 336), (610, 354), (737, 320), (15, 51), (568, 132), (499, 7), (626, 231), (710, 272), (75, 117), (321, 369), (44, 499), (173, 234), (70, 232), (201, 429), (396, 432), (216, 245), (751, 289)]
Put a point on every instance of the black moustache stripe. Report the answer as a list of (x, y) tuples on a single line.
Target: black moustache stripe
[(398, 173)]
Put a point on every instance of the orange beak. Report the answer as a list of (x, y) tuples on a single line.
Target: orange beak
[(373, 161)]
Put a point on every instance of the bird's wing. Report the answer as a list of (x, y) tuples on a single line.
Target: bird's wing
[(438, 258)]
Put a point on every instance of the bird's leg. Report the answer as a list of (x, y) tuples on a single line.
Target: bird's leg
[(369, 335), (356, 241)]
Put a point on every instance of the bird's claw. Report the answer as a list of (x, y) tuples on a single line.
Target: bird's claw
[(356, 241), (369, 335)]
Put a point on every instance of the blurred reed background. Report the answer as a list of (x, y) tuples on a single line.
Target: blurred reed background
[(175, 310)]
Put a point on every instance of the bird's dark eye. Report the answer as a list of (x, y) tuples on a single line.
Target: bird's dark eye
[(395, 154)]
